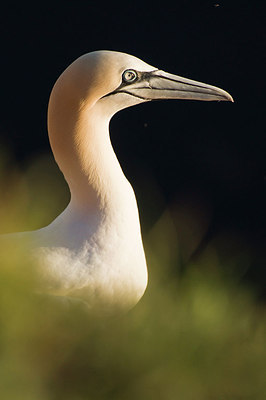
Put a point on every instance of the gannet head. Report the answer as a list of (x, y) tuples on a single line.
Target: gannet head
[(113, 81), (97, 85)]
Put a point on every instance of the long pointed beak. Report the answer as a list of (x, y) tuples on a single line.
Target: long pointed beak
[(162, 85)]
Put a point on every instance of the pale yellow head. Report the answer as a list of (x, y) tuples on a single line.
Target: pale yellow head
[(95, 87)]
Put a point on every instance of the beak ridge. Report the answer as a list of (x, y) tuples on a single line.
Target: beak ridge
[(162, 85)]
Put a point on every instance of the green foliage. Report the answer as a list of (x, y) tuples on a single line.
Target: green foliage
[(196, 334)]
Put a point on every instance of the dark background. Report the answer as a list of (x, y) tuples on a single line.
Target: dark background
[(168, 150)]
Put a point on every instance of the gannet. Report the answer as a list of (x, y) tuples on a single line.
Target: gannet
[(93, 250)]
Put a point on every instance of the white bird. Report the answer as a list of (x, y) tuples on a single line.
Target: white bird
[(93, 250)]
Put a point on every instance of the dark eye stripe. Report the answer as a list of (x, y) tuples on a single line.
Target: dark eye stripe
[(141, 76)]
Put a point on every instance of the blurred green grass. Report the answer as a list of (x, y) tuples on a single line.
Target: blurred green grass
[(198, 333)]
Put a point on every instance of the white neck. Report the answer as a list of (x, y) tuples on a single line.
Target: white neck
[(82, 148), (94, 248)]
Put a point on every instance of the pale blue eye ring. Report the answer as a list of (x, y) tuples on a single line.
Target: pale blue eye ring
[(129, 75)]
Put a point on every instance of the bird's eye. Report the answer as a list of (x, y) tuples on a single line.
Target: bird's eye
[(129, 76)]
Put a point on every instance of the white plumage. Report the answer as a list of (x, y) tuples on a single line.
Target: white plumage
[(93, 250)]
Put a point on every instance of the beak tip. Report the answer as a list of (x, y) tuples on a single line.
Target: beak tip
[(228, 97)]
